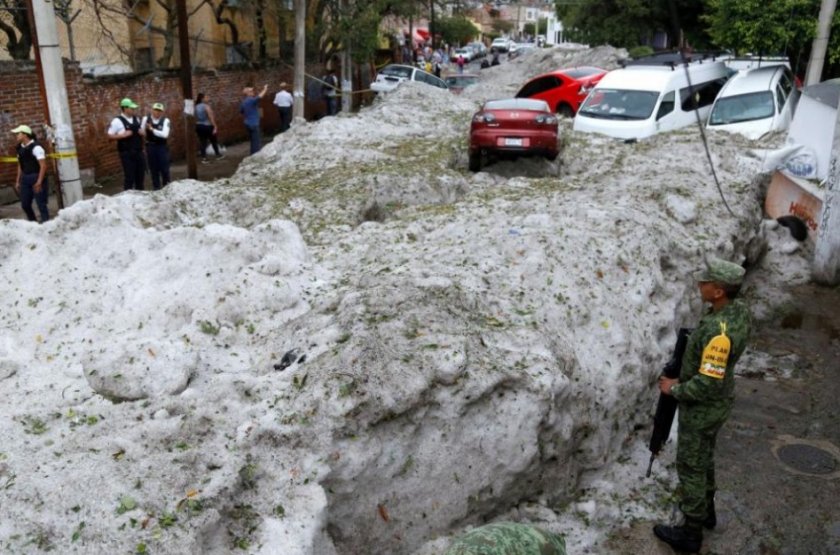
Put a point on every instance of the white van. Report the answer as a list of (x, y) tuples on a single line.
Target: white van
[(755, 102), (651, 95)]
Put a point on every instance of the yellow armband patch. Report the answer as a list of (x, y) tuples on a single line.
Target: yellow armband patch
[(716, 355)]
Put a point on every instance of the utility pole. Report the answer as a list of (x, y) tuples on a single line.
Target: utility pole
[(54, 93), (186, 88), (346, 68), (815, 64), (826, 268), (300, 58)]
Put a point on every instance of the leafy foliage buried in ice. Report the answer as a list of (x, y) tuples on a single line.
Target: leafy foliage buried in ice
[(508, 538)]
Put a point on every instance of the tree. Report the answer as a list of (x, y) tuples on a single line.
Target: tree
[(502, 26), (15, 25), (759, 26), (529, 29), (629, 23), (108, 12), (456, 30)]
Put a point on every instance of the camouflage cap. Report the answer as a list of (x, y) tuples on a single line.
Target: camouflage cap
[(508, 538), (721, 271)]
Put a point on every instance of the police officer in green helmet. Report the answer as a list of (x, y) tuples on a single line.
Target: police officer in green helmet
[(705, 392)]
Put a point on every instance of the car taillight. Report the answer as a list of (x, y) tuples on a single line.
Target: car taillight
[(484, 118), (546, 119)]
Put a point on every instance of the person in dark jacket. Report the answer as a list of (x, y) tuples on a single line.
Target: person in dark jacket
[(31, 183), (157, 129), (127, 131), (705, 392)]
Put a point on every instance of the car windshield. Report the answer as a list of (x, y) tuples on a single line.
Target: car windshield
[(397, 71), (517, 104), (461, 80), (619, 104), (743, 107)]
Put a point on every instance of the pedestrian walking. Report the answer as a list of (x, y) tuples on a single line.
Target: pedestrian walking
[(126, 130), (31, 182), (331, 92), (206, 128), (157, 127), (284, 102), (460, 62), (704, 393), (250, 110)]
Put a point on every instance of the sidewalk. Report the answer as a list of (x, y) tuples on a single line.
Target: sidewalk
[(206, 172)]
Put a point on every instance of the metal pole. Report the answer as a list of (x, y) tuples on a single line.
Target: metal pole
[(54, 93), (815, 64), (186, 89), (826, 268), (300, 58)]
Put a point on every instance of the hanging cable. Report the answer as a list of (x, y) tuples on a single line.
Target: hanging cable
[(676, 29)]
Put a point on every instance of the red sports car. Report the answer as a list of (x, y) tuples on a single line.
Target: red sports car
[(513, 127), (564, 89)]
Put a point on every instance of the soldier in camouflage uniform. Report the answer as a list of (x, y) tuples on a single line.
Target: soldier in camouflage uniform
[(705, 392), (508, 538)]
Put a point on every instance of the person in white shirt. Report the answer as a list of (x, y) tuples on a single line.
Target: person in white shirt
[(284, 102), (126, 130), (31, 183), (157, 129)]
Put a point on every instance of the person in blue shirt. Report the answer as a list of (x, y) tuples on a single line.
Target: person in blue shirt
[(250, 110)]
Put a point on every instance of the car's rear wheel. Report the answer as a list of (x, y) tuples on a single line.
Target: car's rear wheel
[(475, 161), (551, 157), (565, 110)]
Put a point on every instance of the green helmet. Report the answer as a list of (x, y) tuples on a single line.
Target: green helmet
[(508, 538)]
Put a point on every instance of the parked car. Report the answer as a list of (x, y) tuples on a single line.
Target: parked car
[(500, 44), (755, 102), (513, 127), (652, 95), (466, 52), (393, 74), (479, 50), (564, 89), (459, 81)]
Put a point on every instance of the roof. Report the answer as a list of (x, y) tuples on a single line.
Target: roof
[(827, 92), (672, 58), (637, 78), (517, 104), (752, 80)]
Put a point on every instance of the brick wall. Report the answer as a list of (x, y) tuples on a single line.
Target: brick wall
[(94, 102)]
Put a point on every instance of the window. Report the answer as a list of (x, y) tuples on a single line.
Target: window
[(539, 85), (619, 104), (143, 59), (666, 106), (743, 107), (700, 95)]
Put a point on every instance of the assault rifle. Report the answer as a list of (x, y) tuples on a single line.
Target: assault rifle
[(667, 405)]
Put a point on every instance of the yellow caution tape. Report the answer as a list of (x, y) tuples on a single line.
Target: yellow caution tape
[(13, 159)]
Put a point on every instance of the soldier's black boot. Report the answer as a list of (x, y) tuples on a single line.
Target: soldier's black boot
[(687, 537), (711, 518)]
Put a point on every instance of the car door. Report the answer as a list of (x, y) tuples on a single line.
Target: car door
[(541, 88), (787, 97)]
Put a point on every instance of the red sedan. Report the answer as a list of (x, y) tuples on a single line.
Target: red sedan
[(564, 89), (513, 127)]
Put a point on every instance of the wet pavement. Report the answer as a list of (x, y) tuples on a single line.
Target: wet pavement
[(778, 456)]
